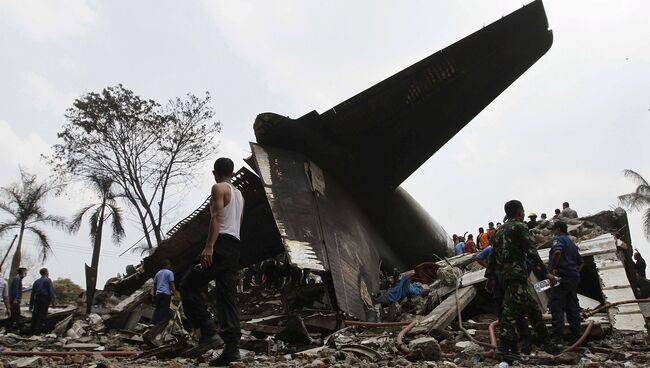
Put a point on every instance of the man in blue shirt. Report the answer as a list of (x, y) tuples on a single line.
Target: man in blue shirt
[(163, 284), (40, 300), (565, 262), (459, 248), (15, 297), (482, 256)]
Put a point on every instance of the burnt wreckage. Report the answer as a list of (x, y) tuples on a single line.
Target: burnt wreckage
[(326, 187)]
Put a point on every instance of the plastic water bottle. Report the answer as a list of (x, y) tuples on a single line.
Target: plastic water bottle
[(544, 285), (504, 365)]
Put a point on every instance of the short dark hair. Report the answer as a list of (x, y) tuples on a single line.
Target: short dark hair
[(21, 270), (470, 236), (223, 166), (166, 263), (565, 204), (480, 230), (512, 207), (490, 223), (43, 271), (557, 211)]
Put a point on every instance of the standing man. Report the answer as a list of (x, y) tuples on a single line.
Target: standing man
[(639, 265), (491, 230), (218, 262), (533, 220), (16, 297), (568, 211), (512, 253), (470, 246), (4, 291), (459, 248), (40, 300), (163, 284), (483, 239), (565, 262)]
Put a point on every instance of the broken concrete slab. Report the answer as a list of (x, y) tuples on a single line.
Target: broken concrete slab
[(616, 287), (27, 362), (424, 348)]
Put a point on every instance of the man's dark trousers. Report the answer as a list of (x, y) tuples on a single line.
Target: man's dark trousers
[(162, 307), (522, 323), (564, 299), (225, 264), (39, 314), (14, 320)]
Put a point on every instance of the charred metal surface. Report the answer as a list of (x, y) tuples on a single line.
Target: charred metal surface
[(321, 226), (373, 141), (293, 205)]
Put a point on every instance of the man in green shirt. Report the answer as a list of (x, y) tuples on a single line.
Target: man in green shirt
[(513, 256)]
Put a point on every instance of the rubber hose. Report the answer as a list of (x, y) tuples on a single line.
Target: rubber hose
[(377, 324), (400, 343)]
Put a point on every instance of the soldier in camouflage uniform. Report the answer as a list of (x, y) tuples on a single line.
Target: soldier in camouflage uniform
[(513, 254)]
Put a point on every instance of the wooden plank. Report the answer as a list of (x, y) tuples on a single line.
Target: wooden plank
[(134, 300), (445, 313)]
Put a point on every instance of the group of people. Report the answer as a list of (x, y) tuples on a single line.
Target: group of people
[(466, 243), (512, 258), (275, 272), (41, 297)]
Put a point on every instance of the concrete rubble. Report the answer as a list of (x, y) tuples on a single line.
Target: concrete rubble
[(291, 325)]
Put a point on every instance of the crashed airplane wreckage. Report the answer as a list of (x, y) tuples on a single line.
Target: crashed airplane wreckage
[(324, 190), (325, 187)]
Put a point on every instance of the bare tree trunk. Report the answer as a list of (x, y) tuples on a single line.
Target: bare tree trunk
[(91, 275), (8, 251), (15, 260)]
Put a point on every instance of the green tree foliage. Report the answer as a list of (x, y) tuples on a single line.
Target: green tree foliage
[(67, 292), (144, 147), (23, 202), (639, 200), (99, 213)]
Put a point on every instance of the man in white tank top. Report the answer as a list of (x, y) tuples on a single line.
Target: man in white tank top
[(218, 262)]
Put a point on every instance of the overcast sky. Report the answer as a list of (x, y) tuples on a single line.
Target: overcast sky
[(563, 132)]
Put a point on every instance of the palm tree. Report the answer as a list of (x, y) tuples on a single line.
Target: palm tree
[(639, 200), (102, 186), (23, 202)]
